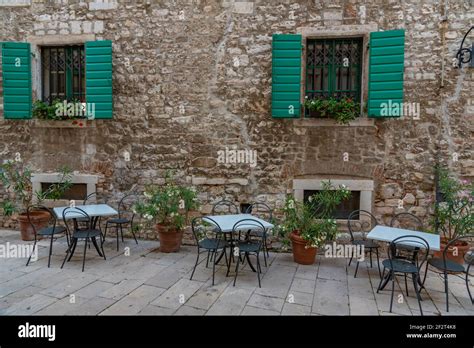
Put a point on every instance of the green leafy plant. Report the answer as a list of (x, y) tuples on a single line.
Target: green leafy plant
[(342, 110), (313, 220), (15, 176), (58, 110), (167, 204), (454, 216)]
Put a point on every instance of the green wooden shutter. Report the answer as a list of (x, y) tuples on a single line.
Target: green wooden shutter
[(385, 71), (16, 67), (286, 75), (99, 77)]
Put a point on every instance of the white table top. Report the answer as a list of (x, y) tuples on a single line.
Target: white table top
[(90, 209), (388, 234), (227, 222)]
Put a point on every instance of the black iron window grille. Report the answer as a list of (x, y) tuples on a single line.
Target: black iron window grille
[(63, 73), (333, 68)]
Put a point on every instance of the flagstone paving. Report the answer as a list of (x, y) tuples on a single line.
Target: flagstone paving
[(139, 280)]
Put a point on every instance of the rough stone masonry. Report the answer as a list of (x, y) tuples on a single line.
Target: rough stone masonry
[(192, 77)]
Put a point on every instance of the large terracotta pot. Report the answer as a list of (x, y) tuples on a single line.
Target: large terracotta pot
[(302, 254), (39, 218), (170, 238), (455, 252)]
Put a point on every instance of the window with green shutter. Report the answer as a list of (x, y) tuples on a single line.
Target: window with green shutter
[(333, 68), (286, 75), (16, 70), (99, 77), (386, 65)]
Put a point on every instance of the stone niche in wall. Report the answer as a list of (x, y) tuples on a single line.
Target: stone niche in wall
[(82, 186), (363, 187)]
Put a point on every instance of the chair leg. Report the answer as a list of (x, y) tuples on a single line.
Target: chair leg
[(370, 255), (406, 283), (381, 280), (207, 260), (259, 269), (133, 234), (214, 266), (197, 261), (378, 261), (357, 268), (424, 277), (236, 269), (73, 249), (467, 283), (32, 252), (117, 233), (418, 296), (50, 250), (105, 233), (67, 251), (84, 257), (392, 275), (264, 255), (352, 256), (446, 289), (121, 231)]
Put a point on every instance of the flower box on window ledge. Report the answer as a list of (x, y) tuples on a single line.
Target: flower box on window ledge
[(63, 114), (342, 110)]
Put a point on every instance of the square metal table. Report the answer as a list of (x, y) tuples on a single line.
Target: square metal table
[(227, 223), (389, 234)]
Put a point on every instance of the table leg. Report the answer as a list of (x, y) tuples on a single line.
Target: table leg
[(94, 241), (250, 263)]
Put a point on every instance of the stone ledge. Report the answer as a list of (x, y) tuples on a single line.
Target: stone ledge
[(37, 123), (322, 122)]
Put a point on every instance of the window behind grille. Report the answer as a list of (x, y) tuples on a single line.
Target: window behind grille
[(63, 73)]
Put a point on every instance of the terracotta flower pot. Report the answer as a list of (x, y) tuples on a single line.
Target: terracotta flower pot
[(39, 218), (170, 238), (302, 254), (455, 252)]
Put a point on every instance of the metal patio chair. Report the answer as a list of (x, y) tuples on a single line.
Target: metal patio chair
[(51, 230), (263, 211), (209, 238), (224, 207), (360, 223), (407, 266)]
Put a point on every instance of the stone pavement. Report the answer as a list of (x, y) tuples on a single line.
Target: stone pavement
[(148, 282)]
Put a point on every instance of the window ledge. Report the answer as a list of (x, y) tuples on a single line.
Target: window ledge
[(37, 123), (324, 122)]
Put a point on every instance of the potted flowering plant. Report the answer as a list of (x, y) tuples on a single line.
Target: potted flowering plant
[(454, 216), (167, 206), (16, 178), (310, 225), (342, 110)]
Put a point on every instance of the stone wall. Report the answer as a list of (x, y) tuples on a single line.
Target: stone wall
[(194, 77)]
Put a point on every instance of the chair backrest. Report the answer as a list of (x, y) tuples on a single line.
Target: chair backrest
[(70, 217), (30, 214), (407, 221), (261, 210), (359, 223), (126, 203), (225, 207), (249, 230), (415, 249), (205, 228), (94, 198), (453, 247)]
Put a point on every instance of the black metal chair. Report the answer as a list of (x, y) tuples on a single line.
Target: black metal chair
[(125, 217), (87, 200), (225, 207), (407, 221), (77, 232), (263, 211), (360, 223), (407, 266), (247, 237), (447, 266), (51, 230), (209, 238)]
